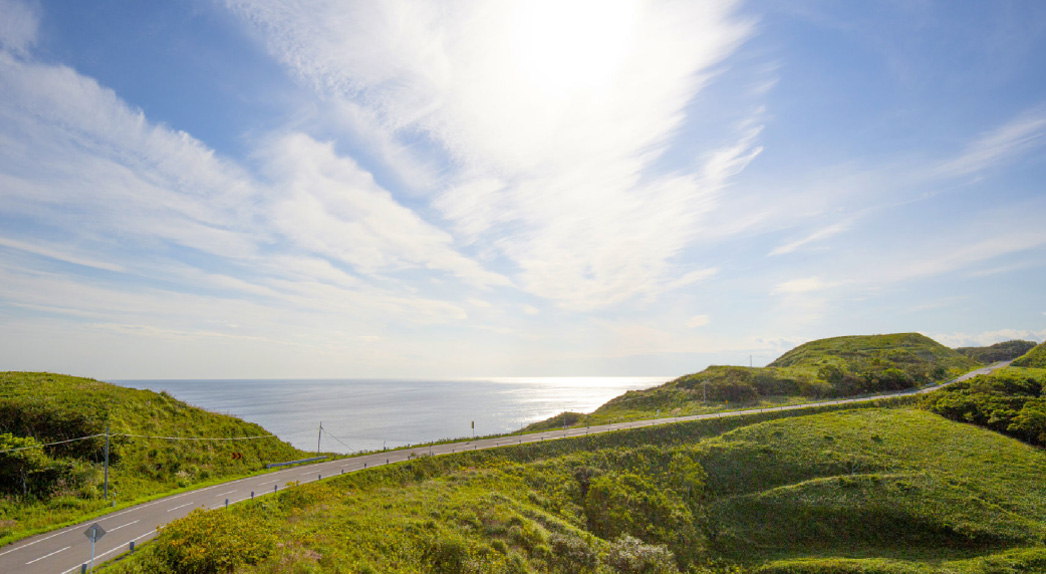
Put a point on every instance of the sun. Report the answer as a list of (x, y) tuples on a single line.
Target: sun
[(562, 47)]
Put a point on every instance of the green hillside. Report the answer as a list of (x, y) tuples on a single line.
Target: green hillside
[(1035, 358), (869, 490), (40, 488), (835, 367), (1005, 351)]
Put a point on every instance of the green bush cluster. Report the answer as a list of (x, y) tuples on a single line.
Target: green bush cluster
[(1011, 401), (209, 543)]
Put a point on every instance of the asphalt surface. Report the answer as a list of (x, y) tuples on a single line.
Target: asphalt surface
[(64, 551)]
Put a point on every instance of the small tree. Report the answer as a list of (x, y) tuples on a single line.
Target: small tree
[(18, 468)]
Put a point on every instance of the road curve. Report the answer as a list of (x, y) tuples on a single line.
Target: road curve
[(63, 551)]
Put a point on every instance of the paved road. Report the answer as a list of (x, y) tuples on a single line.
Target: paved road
[(63, 551)]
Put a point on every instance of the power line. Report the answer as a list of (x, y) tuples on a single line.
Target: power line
[(198, 438), (193, 438), (337, 439), (51, 443)]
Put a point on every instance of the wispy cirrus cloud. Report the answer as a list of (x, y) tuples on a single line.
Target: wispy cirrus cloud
[(818, 235), (999, 146), (552, 114)]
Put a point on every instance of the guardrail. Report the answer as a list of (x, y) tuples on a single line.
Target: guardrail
[(313, 459)]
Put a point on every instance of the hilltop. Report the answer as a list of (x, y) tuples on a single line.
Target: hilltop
[(1036, 358), (1005, 351), (44, 487), (835, 367)]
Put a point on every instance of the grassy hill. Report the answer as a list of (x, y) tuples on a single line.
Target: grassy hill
[(1005, 351), (40, 488), (835, 367), (1035, 358), (869, 490)]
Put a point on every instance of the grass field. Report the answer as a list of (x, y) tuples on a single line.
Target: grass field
[(871, 490)]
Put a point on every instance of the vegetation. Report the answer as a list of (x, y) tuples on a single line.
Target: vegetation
[(870, 490), (1005, 351), (836, 367), (1035, 358), (41, 488), (1011, 401)]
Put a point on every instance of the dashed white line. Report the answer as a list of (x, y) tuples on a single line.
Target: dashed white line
[(182, 506), (33, 542), (119, 527), (48, 555), (224, 493)]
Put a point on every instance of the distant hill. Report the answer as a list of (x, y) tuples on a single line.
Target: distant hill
[(1004, 351), (835, 367), (1034, 358), (42, 486)]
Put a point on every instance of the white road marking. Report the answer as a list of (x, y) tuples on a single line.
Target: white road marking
[(33, 542), (48, 555), (224, 493), (182, 506), (119, 527)]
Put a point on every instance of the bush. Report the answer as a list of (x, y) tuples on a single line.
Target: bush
[(629, 555), (210, 542)]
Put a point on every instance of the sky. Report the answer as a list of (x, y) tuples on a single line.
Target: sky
[(336, 189)]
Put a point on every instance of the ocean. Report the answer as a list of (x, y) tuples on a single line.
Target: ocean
[(359, 414)]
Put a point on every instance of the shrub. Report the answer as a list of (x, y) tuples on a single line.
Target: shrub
[(629, 555), (210, 542)]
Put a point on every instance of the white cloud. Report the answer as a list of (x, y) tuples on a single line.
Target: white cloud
[(950, 257), (697, 321), (552, 112), (331, 207), (986, 338), (691, 278), (18, 26), (1001, 145), (79, 160), (818, 235), (804, 285), (60, 255)]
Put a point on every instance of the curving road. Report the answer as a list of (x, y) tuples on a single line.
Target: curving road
[(64, 551)]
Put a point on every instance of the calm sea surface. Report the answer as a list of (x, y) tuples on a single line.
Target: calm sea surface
[(362, 414)]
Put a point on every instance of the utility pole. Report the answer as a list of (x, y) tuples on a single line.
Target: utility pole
[(704, 393), (106, 491), (318, 437), (749, 361)]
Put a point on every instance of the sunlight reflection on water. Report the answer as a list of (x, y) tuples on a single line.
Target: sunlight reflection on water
[(367, 414)]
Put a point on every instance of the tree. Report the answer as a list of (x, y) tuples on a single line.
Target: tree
[(18, 468)]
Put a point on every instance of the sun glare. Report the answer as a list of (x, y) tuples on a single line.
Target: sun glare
[(562, 47)]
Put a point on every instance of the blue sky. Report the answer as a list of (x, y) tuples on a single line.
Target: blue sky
[(415, 189)]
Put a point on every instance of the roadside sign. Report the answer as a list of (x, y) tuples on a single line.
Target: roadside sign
[(94, 533)]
